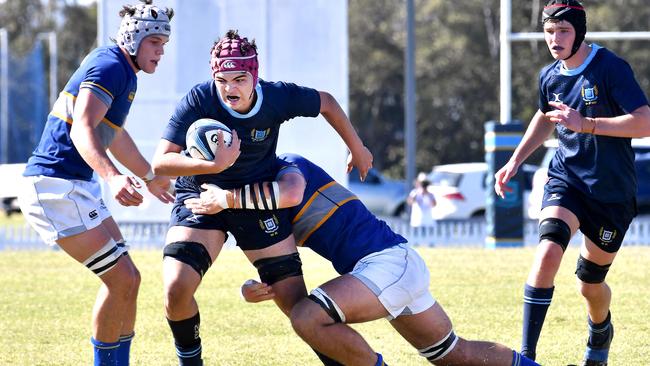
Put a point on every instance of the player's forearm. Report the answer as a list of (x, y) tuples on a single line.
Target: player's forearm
[(127, 153), (175, 164), (635, 124), (284, 193), (336, 117), (287, 192), (537, 132), (169, 161)]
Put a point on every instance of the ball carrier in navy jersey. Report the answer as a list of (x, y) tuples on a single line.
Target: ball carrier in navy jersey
[(591, 98), (381, 277), (253, 109), (62, 199)]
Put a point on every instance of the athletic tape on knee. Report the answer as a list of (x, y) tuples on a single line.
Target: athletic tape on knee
[(440, 349), (331, 308), (105, 258), (253, 196), (555, 230), (275, 269), (590, 272)]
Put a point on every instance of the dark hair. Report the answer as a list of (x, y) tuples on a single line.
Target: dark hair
[(244, 47), (130, 9)]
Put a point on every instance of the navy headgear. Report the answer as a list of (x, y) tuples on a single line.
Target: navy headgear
[(571, 11)]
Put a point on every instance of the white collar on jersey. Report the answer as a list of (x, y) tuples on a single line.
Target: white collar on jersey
[(578, 70), (252, 112)]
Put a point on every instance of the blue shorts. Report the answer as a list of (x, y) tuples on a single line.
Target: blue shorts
[(604, 223), (252, 229)]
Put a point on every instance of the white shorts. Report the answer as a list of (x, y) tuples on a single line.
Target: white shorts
[(58, 208), (400, 279)]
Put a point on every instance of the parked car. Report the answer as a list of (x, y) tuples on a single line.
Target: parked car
[(382, 196), (641, 148), (460, 189)]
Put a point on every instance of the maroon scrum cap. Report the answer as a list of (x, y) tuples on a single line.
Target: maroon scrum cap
[(233, 53)]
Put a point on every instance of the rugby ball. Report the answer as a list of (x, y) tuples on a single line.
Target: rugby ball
[(201, 139)]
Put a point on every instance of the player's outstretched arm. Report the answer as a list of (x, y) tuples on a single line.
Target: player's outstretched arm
[(360, 156), (287, 192)]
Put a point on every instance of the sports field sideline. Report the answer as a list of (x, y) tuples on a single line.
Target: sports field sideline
[(46, 299)]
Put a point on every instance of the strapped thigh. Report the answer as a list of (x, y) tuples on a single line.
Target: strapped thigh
[(556, 231), (441, 348), (106, 258), (276, 269), (321, 297), (590, 272), (191, 253)]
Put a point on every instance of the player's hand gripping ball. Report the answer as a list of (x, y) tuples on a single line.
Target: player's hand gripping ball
[(202, 140)]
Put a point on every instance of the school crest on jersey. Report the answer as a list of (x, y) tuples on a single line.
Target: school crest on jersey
[(589, 93), (606, 236), (131, 96), (270, 225), (260, 135)]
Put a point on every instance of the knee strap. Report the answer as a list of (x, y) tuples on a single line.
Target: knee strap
[(590, 272), (106, 258), (275, 269), (325, 301), (191, 253), (556, 231), (441, 348)]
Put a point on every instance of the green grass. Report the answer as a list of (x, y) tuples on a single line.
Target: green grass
[(13, 219), (46, 297)]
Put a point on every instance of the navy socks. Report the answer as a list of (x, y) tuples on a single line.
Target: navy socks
[(536, 303)]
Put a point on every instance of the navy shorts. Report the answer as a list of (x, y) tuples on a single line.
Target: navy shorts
[(604, 223), (252, 229)]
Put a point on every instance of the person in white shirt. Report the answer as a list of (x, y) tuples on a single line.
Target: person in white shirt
[(422, 203)]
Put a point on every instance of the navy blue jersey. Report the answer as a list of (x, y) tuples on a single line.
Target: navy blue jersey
[(107, 73), (258, 129), (602, 167), (333, 222)]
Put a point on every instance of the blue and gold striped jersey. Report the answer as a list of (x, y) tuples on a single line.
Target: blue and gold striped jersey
[(107, 73), (333, 222)]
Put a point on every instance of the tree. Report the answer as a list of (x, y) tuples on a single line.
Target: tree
[(77, 35), (457, 71)]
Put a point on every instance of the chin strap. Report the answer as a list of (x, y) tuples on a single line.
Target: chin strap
[(135, 62)]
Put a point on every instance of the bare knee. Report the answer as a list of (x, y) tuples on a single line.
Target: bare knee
[(546, 265), (304, 317), (177, 294), (124, 277), (592, 290), (133, 280)]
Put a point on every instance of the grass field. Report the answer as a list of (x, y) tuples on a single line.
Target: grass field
[(46, 297)]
